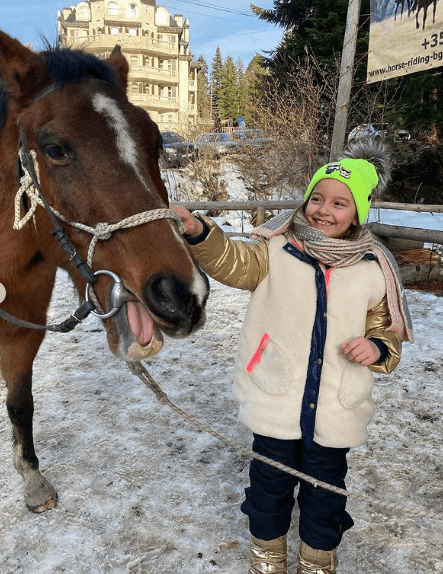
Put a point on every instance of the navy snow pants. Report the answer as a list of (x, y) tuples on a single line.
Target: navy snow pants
[(270, 496)]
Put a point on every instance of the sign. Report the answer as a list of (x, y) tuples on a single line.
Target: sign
[(405, 36)]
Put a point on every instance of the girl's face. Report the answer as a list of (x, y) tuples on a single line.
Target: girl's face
[(331, 208)]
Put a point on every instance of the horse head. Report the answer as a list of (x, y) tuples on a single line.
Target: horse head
[(97, 156)]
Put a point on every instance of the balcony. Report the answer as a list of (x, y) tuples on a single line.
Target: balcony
[(154, 102), (146, 72), (102, 41), (122, 17)]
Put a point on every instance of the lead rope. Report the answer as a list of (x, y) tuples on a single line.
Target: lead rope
[(139, 370)]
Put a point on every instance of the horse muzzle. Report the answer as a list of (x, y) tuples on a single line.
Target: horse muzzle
[(168, 305)]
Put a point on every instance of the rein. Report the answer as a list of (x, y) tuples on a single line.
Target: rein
[(30, 188)]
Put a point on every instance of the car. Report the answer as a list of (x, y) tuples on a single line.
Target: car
[(252, 136), (216, 144), (176, 151), (377, 131)]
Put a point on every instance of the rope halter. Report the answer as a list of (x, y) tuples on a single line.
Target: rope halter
[(101, 232)]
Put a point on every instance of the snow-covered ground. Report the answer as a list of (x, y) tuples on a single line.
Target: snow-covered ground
[(141, 491)]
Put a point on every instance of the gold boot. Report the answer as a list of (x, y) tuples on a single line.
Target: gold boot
[(312, 561), (268, 556)]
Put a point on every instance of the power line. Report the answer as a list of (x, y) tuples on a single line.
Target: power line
[(206, 14), (215, 7)]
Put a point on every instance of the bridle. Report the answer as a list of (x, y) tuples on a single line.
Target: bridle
[(30, 188)]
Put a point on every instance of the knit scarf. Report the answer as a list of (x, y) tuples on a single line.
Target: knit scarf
[(343, 253)]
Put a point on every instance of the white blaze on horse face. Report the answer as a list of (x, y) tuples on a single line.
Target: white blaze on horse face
[(116, 120)]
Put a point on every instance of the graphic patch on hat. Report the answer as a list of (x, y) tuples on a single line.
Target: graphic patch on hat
[(344, 173)]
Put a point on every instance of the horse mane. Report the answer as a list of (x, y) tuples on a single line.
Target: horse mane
[(66, 65)]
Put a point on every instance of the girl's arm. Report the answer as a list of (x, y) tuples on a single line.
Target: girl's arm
[(366, 352), (377, 321), (240, 264)]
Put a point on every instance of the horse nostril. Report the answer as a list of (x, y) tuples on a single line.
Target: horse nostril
[(163, 290), (172, 300)]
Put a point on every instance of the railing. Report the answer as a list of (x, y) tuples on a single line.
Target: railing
[(380, 229), (126, 41), (147, 71), (159, 101)]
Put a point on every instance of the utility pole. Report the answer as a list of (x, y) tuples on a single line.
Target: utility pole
[(345, 82)]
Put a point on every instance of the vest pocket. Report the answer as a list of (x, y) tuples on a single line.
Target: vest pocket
[(269, 367), (355, 386)]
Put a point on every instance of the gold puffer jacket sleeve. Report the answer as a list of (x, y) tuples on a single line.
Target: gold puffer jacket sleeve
[(244, 264), (241, 264), (377, 321)]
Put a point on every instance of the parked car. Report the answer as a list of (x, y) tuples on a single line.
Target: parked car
[(252, 136), (216, 144), (377, 131), (177, 151)]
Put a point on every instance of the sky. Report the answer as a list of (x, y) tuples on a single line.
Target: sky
[(229, 24)]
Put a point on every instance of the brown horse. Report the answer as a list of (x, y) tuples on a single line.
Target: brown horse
[(418, 5), (96, 158)]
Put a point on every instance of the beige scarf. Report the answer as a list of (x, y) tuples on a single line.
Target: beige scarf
[(345, 252)]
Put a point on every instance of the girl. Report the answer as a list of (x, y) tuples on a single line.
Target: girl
[(326, 310)]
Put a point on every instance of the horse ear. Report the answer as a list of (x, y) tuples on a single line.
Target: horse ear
[(22, 71), (120, 66)]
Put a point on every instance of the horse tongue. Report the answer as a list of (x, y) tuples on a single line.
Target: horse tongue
[(140, 322)]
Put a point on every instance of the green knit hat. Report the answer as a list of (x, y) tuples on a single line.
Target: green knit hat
[(359, 175)]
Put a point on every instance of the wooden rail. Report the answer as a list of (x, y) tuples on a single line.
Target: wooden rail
[(293, 203), (380, 229)]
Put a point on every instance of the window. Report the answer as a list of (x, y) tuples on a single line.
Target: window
[(113, 8), (115, 31), (83, 12), (133, 31), (134, 88), (132, 10)]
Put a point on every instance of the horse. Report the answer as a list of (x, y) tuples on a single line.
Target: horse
[(81, 190), (402, 2), (418, 5)]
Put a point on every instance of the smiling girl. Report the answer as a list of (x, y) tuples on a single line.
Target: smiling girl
[(326, 311)]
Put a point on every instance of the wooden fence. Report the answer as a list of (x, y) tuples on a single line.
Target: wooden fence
[(379, 229)]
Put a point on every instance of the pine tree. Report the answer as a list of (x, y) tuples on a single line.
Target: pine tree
[(312, 27), (203, 95), (228, 105), (252, 87)]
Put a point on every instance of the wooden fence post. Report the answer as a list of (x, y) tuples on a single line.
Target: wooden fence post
[(345, 82)]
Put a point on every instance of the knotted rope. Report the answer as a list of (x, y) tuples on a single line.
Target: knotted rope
[(101, 231)]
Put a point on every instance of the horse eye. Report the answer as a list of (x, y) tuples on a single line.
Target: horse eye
[(57, 154)]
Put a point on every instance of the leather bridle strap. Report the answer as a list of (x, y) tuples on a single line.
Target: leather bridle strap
[(68, 325), (58, 232)]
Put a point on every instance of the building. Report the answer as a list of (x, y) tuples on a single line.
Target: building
[(162, 75)]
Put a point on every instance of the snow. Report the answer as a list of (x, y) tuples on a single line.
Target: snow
[(141, 491)]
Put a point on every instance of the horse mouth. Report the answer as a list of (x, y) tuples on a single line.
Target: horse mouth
[(138, 336), (168, 306), (148, 338)]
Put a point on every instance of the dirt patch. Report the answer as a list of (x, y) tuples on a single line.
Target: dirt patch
[(435, 287)]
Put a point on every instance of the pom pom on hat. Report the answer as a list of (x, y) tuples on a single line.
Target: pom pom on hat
[(359, 176)]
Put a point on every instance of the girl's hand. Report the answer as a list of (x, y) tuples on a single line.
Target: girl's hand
[(192, 225), (361, 351)]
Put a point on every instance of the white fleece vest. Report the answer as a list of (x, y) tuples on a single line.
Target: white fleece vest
[(275, 343)]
